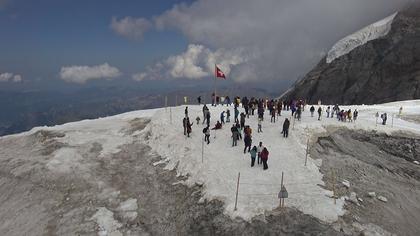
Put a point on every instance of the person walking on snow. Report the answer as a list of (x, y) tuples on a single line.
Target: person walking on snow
[(259, 125), (236, 114), (208, 118), (253, 153), (286, 125), (264, 158), (199, 100), (186, 111), (205, 110), (273, 115), (259, 150), (319, 113), (384, 118), (248, 143), (312, 110), (328, 112)]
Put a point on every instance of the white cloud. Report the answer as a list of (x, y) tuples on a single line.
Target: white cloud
[(285, 38), (81, 74), (129, 27), (10, 77), (195, 63)]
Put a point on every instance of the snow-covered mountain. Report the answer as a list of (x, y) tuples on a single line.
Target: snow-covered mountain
[(137, 174), (371, 32), (379, 63)]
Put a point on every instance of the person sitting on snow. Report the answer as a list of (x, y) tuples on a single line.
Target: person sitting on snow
[(217, 126)]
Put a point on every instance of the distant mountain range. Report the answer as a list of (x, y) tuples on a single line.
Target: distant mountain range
[(21, 111), (380, 63)]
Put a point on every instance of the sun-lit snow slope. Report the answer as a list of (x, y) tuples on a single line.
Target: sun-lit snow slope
[(218, 172), (371, 32), (258, 189)]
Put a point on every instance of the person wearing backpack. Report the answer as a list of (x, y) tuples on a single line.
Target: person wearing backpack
[(264, 158)]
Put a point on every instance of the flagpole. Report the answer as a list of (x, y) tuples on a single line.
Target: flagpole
[(215, 78)]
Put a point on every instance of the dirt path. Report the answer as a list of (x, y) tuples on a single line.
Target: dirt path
[(379, 163)]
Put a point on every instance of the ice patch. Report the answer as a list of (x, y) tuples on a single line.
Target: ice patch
[(361, 37), (108, 226)]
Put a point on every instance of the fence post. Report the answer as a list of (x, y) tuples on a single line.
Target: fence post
[(333, 180), (202, 151), (392, 124), (170, 114), (307, 151), (237, 192)]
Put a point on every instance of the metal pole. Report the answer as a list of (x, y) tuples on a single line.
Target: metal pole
[(237, 191), (166, 103)]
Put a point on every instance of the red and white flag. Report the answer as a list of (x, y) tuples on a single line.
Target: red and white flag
[(219, 73)]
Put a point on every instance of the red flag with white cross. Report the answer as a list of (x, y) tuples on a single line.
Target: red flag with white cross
[(219, 73)]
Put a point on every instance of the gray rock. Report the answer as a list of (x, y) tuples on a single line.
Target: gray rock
[(382, 70), (382, 198)]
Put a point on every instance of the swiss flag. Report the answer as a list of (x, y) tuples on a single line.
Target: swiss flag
[(219, 73)]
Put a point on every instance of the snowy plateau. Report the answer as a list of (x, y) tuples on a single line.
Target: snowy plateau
[(71, 149), (361, 37)]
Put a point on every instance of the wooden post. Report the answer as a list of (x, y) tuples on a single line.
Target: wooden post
[(307, 151), (237, 191)]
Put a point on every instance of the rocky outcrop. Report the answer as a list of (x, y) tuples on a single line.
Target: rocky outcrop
[(382, 70)]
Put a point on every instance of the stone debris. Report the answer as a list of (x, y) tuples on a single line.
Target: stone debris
[(382, 198)]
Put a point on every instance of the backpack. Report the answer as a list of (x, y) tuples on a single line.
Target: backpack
[(204, 130)]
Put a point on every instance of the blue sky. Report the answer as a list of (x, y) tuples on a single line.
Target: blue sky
[(39, 37), (64, 43)]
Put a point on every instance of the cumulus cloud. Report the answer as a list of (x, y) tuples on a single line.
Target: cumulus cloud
[(286, 38), (81, 74), (129, 27), (10, 77), (195, 63)]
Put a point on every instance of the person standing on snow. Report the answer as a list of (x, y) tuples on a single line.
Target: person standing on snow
[(273, 115), (264, 158), (319, 113), (186, 111), (205, 110), (328, 112), (242, 120), (199, 100), (253, 153), (222, 117), (384, 118), (355, 114), (227, 116), (235, 135), (208, 118), (248, 143), (206, 132), (286, 126), (312, 110), (185, 124), (259, 150), (189, 127), (198, 120), (236, 114)]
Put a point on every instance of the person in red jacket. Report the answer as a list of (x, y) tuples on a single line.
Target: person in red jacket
[(264, 158)]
